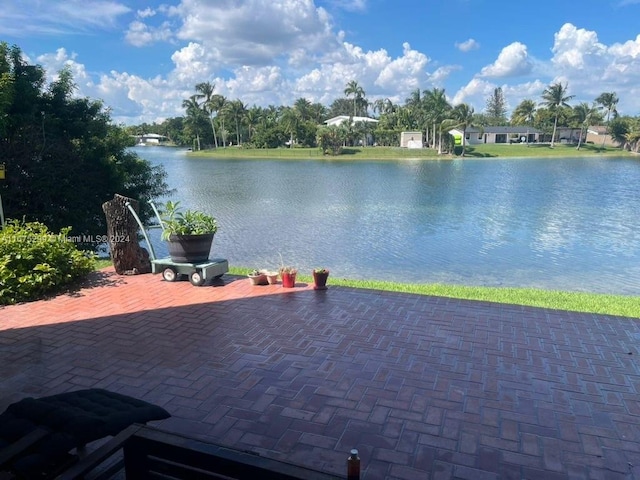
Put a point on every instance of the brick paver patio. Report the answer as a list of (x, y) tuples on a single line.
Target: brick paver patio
[(424, 387)]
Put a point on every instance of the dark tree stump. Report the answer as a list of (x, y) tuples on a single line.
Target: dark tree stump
[(128, 257)]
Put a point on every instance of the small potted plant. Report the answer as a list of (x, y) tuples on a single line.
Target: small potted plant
[(272, 277), (257, 277), (189, 233), (288, 276), (320, 276)]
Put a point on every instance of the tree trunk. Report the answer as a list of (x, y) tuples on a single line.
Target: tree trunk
[(128, 257), (580, 139), (553, 135)]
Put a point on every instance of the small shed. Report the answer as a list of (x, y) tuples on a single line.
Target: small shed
[(411, 140)]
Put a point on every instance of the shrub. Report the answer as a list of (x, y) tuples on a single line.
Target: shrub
[(35, 261)]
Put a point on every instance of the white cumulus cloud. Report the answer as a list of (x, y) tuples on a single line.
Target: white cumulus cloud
[(467, 45), (512, 61)]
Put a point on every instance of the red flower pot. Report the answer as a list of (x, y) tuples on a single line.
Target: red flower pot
[(288, 279)]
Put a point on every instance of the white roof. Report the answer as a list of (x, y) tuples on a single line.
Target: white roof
[(342, 118)]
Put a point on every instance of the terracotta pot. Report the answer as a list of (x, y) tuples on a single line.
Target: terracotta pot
[(320, 280), (288, 279)]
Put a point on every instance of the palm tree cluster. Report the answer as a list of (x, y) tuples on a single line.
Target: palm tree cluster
[(213, 121)]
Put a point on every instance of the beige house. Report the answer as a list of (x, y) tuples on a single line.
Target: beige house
[(598, 133)]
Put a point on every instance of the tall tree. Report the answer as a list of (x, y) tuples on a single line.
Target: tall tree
[(237, 111), (205, 90), (303, 107), (555, 97), (437, 108), (291, 122), (462, 115), (64, 157), (415, 106), (524, 113), (194, 116), (584, 115), (496, 108), (608, 101), (357, 91), (253, 116)]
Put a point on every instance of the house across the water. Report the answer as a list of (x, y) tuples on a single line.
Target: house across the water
[(518, 134), (150, 139)]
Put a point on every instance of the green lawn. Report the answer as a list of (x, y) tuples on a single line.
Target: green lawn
[(394, 153), (625, 306)]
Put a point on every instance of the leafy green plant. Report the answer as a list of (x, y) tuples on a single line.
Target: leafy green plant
[(35, 262), (188, 222)]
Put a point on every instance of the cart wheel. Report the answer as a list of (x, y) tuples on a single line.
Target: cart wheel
[(169, 274), (196, 279)]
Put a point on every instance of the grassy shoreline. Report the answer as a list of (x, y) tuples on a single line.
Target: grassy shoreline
[(601, 304), (487, 151)]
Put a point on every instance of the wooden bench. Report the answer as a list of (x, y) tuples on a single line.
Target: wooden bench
[(152, 453)]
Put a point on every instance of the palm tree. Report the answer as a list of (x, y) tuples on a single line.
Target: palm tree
[(205, 90), (584, 115), (194, 115), (608, 100), (303, 107), (524, 113), (357, 91), (318, 112), (290, 122), (253, 116), (383, 106), (462, 116), (237, 110), (437, 108), (555, 96), (633, 139), (220, 105), (415, 104)]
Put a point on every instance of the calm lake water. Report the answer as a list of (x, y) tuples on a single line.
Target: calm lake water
[(569, 224)]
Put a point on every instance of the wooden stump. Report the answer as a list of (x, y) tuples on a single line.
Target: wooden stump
[(128, 257)]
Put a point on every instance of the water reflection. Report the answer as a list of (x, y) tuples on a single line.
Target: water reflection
[(567, 224)]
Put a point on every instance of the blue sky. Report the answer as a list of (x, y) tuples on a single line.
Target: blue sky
[(144, 57)]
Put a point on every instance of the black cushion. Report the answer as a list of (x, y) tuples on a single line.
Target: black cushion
[(86, 415)]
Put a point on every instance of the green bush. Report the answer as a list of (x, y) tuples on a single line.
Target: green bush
[(35, 262)]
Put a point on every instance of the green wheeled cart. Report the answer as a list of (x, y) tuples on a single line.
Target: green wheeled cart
[(198, 273)]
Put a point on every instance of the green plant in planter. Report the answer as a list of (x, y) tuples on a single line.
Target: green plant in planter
[(188, 222), (320, 276), (287, 269)]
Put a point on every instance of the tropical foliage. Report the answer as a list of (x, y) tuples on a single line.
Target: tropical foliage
[(555, 97), (35, 261), (63, 156), (428, 111)]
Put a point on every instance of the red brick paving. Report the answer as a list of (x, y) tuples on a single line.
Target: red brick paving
[(424, 387)]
